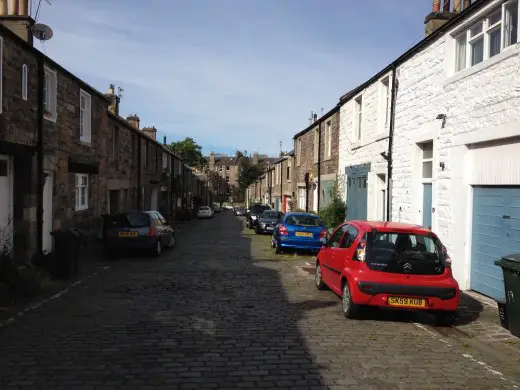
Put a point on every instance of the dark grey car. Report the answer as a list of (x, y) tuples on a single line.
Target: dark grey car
[(137, 230), (268, 221)]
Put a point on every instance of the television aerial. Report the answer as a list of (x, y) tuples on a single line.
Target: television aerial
[(42, 32)]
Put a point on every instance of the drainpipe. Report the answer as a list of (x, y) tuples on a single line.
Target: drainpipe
[(395, 86), (319, 164), (281, 185), (40, 179), (139, 167), (307, 192)]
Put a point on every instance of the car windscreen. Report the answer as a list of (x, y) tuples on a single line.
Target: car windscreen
[(258, 209), (129, 220), (303, 220), (405, 253), (204, 208), (270, 214)]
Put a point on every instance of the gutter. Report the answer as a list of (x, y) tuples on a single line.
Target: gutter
[(40, 178), (395, 87), (319, 166)]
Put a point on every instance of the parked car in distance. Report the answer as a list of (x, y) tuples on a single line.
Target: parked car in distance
[(227, 207), (267, 221), (147, 230), (217, 208), (240, 211), (205, 212), (390, 265), (299, 231), (255, 210)]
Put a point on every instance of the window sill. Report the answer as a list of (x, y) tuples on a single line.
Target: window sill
[(507, 53), (85, 142), (49, 117), (83, 208)]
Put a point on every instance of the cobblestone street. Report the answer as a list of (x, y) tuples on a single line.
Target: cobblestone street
[(221, 311)]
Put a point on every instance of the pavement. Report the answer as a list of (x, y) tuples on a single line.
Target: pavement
[(222, 311)]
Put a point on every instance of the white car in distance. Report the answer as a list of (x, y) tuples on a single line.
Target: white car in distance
[(205, 212)]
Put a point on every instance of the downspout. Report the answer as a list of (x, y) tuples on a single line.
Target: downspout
[(40, 179), (395, 86), (319, 165), (270, 184), (281, 185), (139, 167)]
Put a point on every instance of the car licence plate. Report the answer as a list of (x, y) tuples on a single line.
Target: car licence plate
[(127, 234), (269, 228), (407, 302), (303, 234)]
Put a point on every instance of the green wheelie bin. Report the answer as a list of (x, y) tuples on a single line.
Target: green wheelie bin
[(511, 268)]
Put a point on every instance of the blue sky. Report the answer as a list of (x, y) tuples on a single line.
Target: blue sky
[(232, 74)]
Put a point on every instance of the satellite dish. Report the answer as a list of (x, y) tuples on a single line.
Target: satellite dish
[(42, 32)]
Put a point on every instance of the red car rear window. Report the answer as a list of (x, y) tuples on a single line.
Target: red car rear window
[(129, 220), (405, 253)]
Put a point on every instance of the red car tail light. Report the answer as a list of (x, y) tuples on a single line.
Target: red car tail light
[(283, 231), (446, 257), (151, 231), (361, 251)]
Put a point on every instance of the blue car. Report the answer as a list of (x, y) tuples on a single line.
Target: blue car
[(299, 231)]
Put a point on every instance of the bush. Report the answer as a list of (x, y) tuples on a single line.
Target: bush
[(334, 213)]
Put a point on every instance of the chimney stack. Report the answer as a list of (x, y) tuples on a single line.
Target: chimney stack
[(151, 131), (134, 121), (437, 18), (14, 15), (113, 99)]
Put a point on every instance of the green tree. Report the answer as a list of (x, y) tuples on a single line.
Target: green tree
[(189, 151), (248, 172)]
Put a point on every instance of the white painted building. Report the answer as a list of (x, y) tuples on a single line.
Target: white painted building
[(456, 154), (363, 143)]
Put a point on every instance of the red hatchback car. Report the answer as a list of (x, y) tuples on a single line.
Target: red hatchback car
[(391, 265)]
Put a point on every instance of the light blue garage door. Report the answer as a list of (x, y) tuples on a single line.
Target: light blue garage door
[(496, 232), (357, 192)]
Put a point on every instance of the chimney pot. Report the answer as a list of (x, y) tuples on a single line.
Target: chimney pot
[(456, 6), (436, 6), (447, 5), (13, 7), (164, 140), (467, 3), (3, 7), (23, 7), (112, 89)]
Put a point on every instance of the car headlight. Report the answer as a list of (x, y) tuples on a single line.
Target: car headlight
[(253, 217)]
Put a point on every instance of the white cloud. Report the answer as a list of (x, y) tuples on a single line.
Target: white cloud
[(246, 93)]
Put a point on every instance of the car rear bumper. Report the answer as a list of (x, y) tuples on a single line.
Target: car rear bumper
[(129, 244), (377, 294), (303, 245)]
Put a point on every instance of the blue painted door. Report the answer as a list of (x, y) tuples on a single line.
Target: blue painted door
[(357, 192), (495, 233), (427, 206)]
